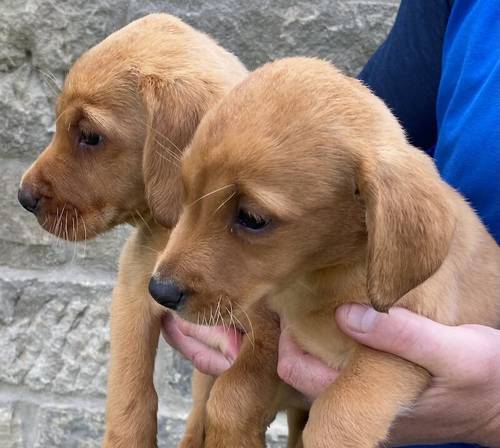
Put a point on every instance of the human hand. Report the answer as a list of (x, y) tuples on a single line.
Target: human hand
[(463, 402), (211, 349)]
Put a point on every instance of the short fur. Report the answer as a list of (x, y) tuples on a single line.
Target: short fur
[(356, 215), (144, 89)]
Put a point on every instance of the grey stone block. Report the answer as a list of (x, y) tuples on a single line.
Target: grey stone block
[(259, 31), (54, 335), (10, 427), (29, 425), (54, 338), (83, 429), (39, 40), (78, 428)]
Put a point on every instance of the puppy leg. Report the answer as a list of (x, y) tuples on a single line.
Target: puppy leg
[(358, 409), (194, 435), (244, 399), (297, 419), (135, 327)]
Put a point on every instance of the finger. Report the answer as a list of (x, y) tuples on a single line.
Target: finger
[(301, 370), (227, 340), (442, 350), (204, 358)]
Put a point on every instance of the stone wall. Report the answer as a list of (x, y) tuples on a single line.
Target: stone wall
[(54, 297)]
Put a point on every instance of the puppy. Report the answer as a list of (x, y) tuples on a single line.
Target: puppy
[(127, 109), (301, 189)]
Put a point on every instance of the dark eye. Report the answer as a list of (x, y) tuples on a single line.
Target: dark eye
[(251, 221), (89, 139)]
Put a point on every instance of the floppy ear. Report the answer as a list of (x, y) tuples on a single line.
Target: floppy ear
[(409, 223), (173, 111)]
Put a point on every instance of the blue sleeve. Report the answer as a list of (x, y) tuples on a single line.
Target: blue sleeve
[(467, 151), (439, 72), (406, 68)]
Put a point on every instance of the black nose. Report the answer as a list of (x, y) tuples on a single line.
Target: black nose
[(167, 292), (28, 199)]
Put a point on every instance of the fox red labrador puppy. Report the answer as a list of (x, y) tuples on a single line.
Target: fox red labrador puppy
[(301, 190), (128, 108)]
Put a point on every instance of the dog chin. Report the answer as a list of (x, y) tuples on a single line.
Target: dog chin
[(71, 225)]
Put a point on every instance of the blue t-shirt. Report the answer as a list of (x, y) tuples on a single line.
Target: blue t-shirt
[(439, 72), (467, 151)]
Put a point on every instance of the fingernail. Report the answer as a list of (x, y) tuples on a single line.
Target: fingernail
[(360, 318)]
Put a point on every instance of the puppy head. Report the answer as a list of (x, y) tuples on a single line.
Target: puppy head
[(297, 170), (127, 109)]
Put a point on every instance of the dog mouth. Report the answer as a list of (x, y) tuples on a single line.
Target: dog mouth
[(225, 313), (201, 308)]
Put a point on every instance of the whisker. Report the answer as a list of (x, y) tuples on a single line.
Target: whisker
[(157, 252), (208, 194), (84, 237), (249, 321), (156, 131), (167, 160), (59, 230), (224, 203), (60, 115), (251, 336), (306, 287), (218, 315), (144, 221), (174, 155), (66, 235), (231, 322), (53, 85), (56, 229), (75, 245)]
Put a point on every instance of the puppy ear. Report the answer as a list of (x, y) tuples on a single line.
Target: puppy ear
[(409, 224), (173, 111)]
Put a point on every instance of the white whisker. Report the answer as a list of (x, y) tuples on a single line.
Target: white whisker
[(212, 192), (144, 221), (168, 160), (225, 202), (249, 322)]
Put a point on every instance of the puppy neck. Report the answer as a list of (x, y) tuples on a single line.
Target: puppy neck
[(323, 289)]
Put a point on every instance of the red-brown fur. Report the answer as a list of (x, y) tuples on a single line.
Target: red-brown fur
[(144, 89), (357, 215)]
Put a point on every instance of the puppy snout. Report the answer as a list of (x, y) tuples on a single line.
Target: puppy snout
[(167, 292), (29, 199)]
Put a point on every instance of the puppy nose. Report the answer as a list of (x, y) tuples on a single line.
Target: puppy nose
[(166, 292), (28, 199)]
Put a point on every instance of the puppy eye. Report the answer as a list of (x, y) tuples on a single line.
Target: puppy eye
[(251, 221), (89, 139)]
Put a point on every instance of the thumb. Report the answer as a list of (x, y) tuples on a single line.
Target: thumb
[(436, 347)]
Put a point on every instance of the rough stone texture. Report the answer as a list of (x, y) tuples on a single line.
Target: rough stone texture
[(54, 297)]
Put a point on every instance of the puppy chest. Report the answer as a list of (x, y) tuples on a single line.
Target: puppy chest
[(321, 337), (314, 328)]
